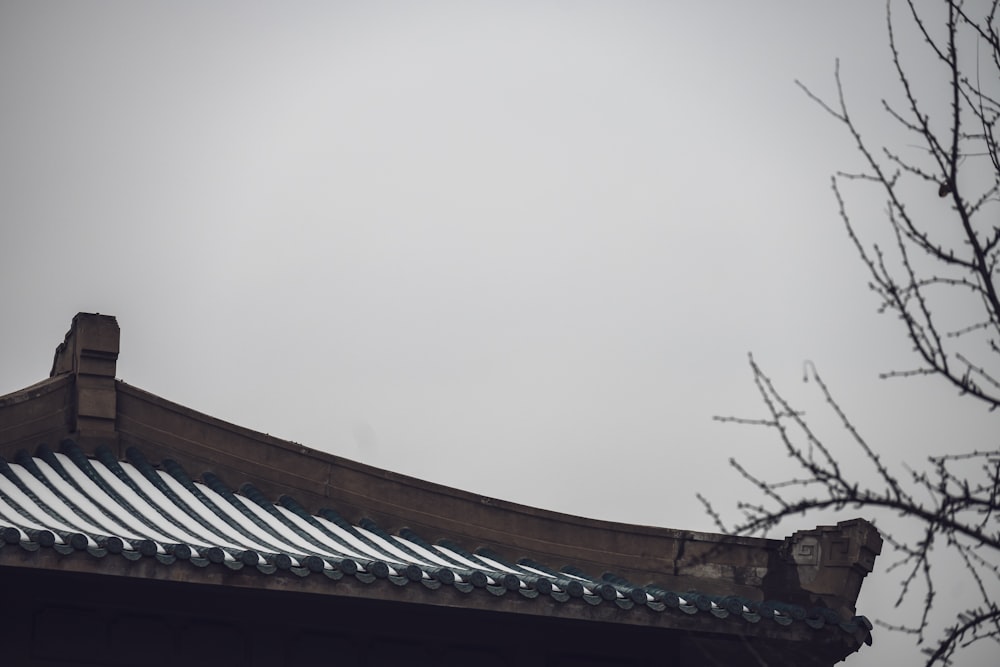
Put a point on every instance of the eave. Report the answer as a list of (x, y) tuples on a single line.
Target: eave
[(815, 576)]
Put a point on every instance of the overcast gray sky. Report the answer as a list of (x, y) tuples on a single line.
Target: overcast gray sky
[(520, 248)]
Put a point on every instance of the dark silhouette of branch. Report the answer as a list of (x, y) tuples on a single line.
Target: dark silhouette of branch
[(954, 510), (936, 256)]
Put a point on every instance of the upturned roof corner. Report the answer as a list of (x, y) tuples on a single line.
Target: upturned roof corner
[(832, 561)]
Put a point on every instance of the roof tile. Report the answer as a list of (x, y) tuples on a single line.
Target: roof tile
[(68, 502)]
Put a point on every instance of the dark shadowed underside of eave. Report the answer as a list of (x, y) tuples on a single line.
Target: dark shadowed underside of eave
[(66, 618)]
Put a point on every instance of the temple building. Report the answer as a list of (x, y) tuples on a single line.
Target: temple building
[(136, 531)]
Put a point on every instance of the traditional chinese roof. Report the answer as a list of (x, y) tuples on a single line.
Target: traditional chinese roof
[(140, 487), (131, 509)]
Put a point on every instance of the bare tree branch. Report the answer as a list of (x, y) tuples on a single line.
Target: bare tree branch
[(933, 261)]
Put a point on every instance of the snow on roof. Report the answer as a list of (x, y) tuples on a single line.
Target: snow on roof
[(132, 509)]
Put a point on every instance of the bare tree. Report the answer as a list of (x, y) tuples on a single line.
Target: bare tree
[(935, 258)]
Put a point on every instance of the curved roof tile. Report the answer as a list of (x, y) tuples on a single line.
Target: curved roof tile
[(131, 509)]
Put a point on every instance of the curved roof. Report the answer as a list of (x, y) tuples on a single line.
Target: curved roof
[(132, 509), (145, 488)]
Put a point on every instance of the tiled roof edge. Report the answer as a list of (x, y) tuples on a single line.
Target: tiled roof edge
[(485, 570)]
